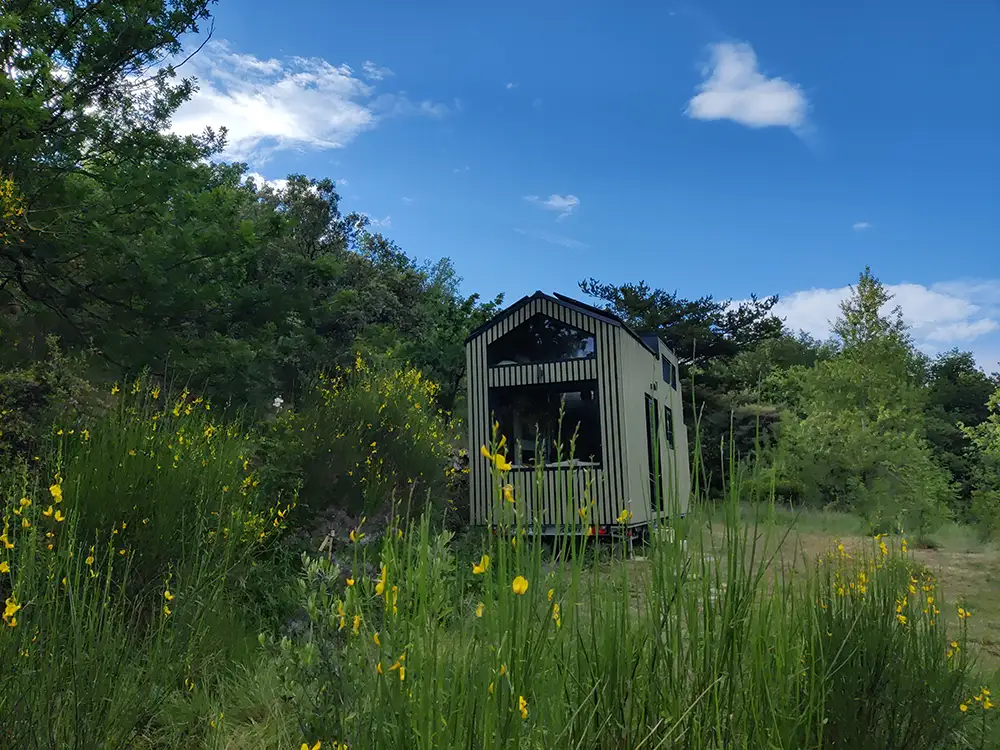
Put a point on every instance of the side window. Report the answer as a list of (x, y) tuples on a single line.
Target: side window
[(668, 370), (668, 424), (673, 375)]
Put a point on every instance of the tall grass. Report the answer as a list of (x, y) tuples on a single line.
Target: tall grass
[(120, 569), (134, 564), (705, 643)]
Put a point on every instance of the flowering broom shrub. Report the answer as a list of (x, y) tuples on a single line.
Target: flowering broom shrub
[(114, 567), (363, 434)]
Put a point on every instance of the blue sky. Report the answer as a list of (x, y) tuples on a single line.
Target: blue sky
[(721, 148)]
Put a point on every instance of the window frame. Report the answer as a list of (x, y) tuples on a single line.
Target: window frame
[(578, 462), (668, 427), (590, 334)]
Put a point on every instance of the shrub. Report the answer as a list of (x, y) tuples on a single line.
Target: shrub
[(119, 570), (362, 435)]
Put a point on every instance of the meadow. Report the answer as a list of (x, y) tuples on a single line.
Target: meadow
[(160, 592)]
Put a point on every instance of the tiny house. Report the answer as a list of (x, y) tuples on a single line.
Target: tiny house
[(590, 412)]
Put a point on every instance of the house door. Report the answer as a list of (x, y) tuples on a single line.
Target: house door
[(653, 453)]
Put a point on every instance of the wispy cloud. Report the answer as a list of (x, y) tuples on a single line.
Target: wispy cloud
[(563, 205), (511, 85), (941, 316), (459, 170), (734, 89), (407, 200), (374, 72), (860, 226), (294, 103), (552, 239)]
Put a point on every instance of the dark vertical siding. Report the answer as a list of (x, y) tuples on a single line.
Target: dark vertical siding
[(607, 485)]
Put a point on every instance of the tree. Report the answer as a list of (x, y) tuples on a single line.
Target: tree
[(703, 333), (699, 331), (84, 102), (858, 438), (984, 437), (957, 396)]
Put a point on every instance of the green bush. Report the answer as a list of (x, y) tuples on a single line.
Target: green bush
[(125, 572), (362, 435), (33, 397)]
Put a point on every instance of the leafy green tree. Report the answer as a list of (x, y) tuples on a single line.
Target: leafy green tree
[(985, 439), (703, 333), (859, 438), (957, 395)]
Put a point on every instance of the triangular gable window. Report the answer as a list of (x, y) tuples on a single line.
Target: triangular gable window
[(541, 339)]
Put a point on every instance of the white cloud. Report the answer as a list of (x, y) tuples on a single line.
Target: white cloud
[(860, 226), (381, 223), (407, 200), (459, 170), (551, 238), (298, 102), (941, 316), (734, 89), (563, 204), (511, 86), (374, 72), (260, 180)]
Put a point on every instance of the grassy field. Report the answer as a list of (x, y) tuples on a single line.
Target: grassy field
[(966, 567), (150, 602)]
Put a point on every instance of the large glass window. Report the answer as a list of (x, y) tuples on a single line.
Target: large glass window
[(529, 418), (541, 339)]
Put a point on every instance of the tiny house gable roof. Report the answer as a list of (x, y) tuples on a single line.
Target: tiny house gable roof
[(560, 299)]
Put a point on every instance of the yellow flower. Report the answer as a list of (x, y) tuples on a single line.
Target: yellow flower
[(376, 639), (902, 546), (357, 624), (491, 688), (555, 615), (962, 613), (482, 566), (522, 706), (552, 592), (378, 668), (350, 581), (508, 493), (4, 567), (56, 491), (305, 746), (485, 453), (583, 514), (503, 669), (902, 619), (479, 607), (883, 548), (519, 585), (11, 608), (380, 585), (501, 463), (624, 516), (48, 512), (89, 560), (115, 389), (963, 708), (25, 502), (166, 610), (168, 596), (60, 517)]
